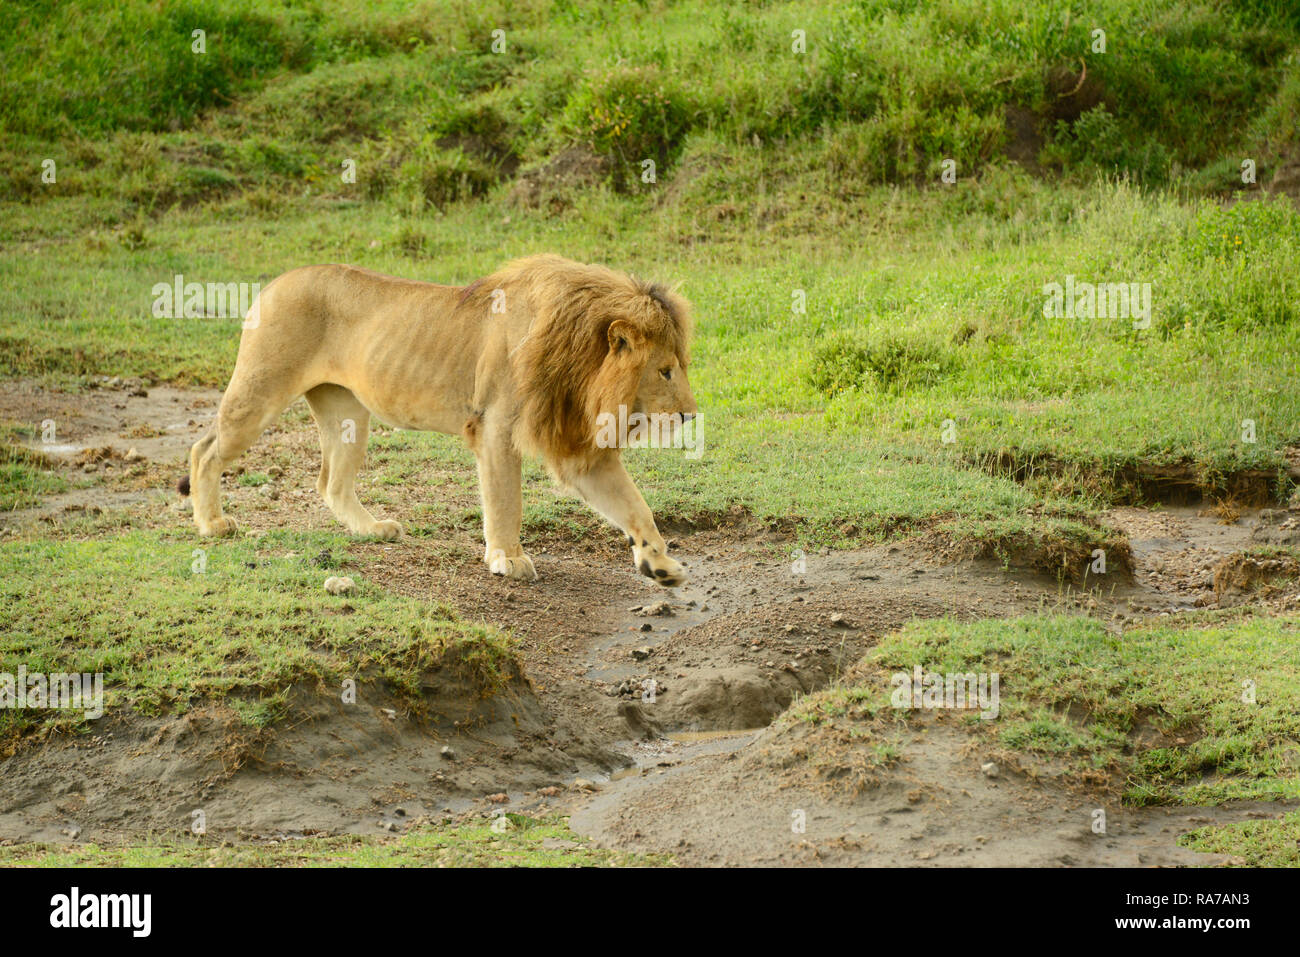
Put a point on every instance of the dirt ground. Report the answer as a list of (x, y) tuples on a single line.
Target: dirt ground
[(690, 769)]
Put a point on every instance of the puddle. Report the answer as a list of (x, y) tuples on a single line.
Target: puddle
[(677, 750), (692, 737)]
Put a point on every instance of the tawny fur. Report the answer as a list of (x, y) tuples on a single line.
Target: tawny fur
[(523, 361)]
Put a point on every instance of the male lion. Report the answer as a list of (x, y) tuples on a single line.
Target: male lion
[(524, 361)]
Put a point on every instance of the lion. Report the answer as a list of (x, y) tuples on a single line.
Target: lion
[(525, 362)]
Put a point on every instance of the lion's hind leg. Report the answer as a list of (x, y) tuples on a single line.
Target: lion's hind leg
[(243, 416), (344, 425)]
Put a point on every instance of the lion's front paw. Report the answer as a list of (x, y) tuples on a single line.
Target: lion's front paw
[(519, 567), (664, 570), (225, 525)]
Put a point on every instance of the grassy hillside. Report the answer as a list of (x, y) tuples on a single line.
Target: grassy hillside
[(435, 102)]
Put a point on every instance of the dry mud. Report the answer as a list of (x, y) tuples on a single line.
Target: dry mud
[(687, 764)]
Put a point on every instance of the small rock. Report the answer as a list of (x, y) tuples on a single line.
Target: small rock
[(582, 784), (837, 618), (549, 791), (642, 653), (658, 608), (448, 754), (989, 769), (132, 455), (498, 798), (340, 585)]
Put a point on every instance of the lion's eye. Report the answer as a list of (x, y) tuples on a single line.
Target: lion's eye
[(666, 373)]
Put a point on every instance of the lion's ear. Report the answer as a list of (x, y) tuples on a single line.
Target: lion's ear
[(623, 336)]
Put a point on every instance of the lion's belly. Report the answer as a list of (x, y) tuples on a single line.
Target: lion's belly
[(430, 389), (403, 416)]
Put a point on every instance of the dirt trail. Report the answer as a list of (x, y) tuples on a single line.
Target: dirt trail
[(658, 700), (716, 799)]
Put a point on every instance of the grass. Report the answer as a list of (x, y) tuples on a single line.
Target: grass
[(818, 435), (139, 608), (528, 842), (893, 86), (968, 355), (26, 477), (1186, 713), (1273, 843)]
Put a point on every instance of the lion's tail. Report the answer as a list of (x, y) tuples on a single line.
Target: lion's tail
[(183, 486)]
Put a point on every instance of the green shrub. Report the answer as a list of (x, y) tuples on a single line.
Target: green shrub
[(887, 362), (443, 176), (630, 114), (1097, 141)]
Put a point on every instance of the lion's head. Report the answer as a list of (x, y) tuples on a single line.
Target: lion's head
[(599, 340)]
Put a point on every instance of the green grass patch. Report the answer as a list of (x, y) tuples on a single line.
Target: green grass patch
[(26, 477), (1257, 843), (171, 622), (529, 842), (1195, 713)]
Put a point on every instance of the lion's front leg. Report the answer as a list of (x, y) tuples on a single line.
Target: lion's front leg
[(610, 491), (500, 479)]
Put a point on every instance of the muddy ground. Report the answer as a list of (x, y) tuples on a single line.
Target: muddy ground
[(686, 765)]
